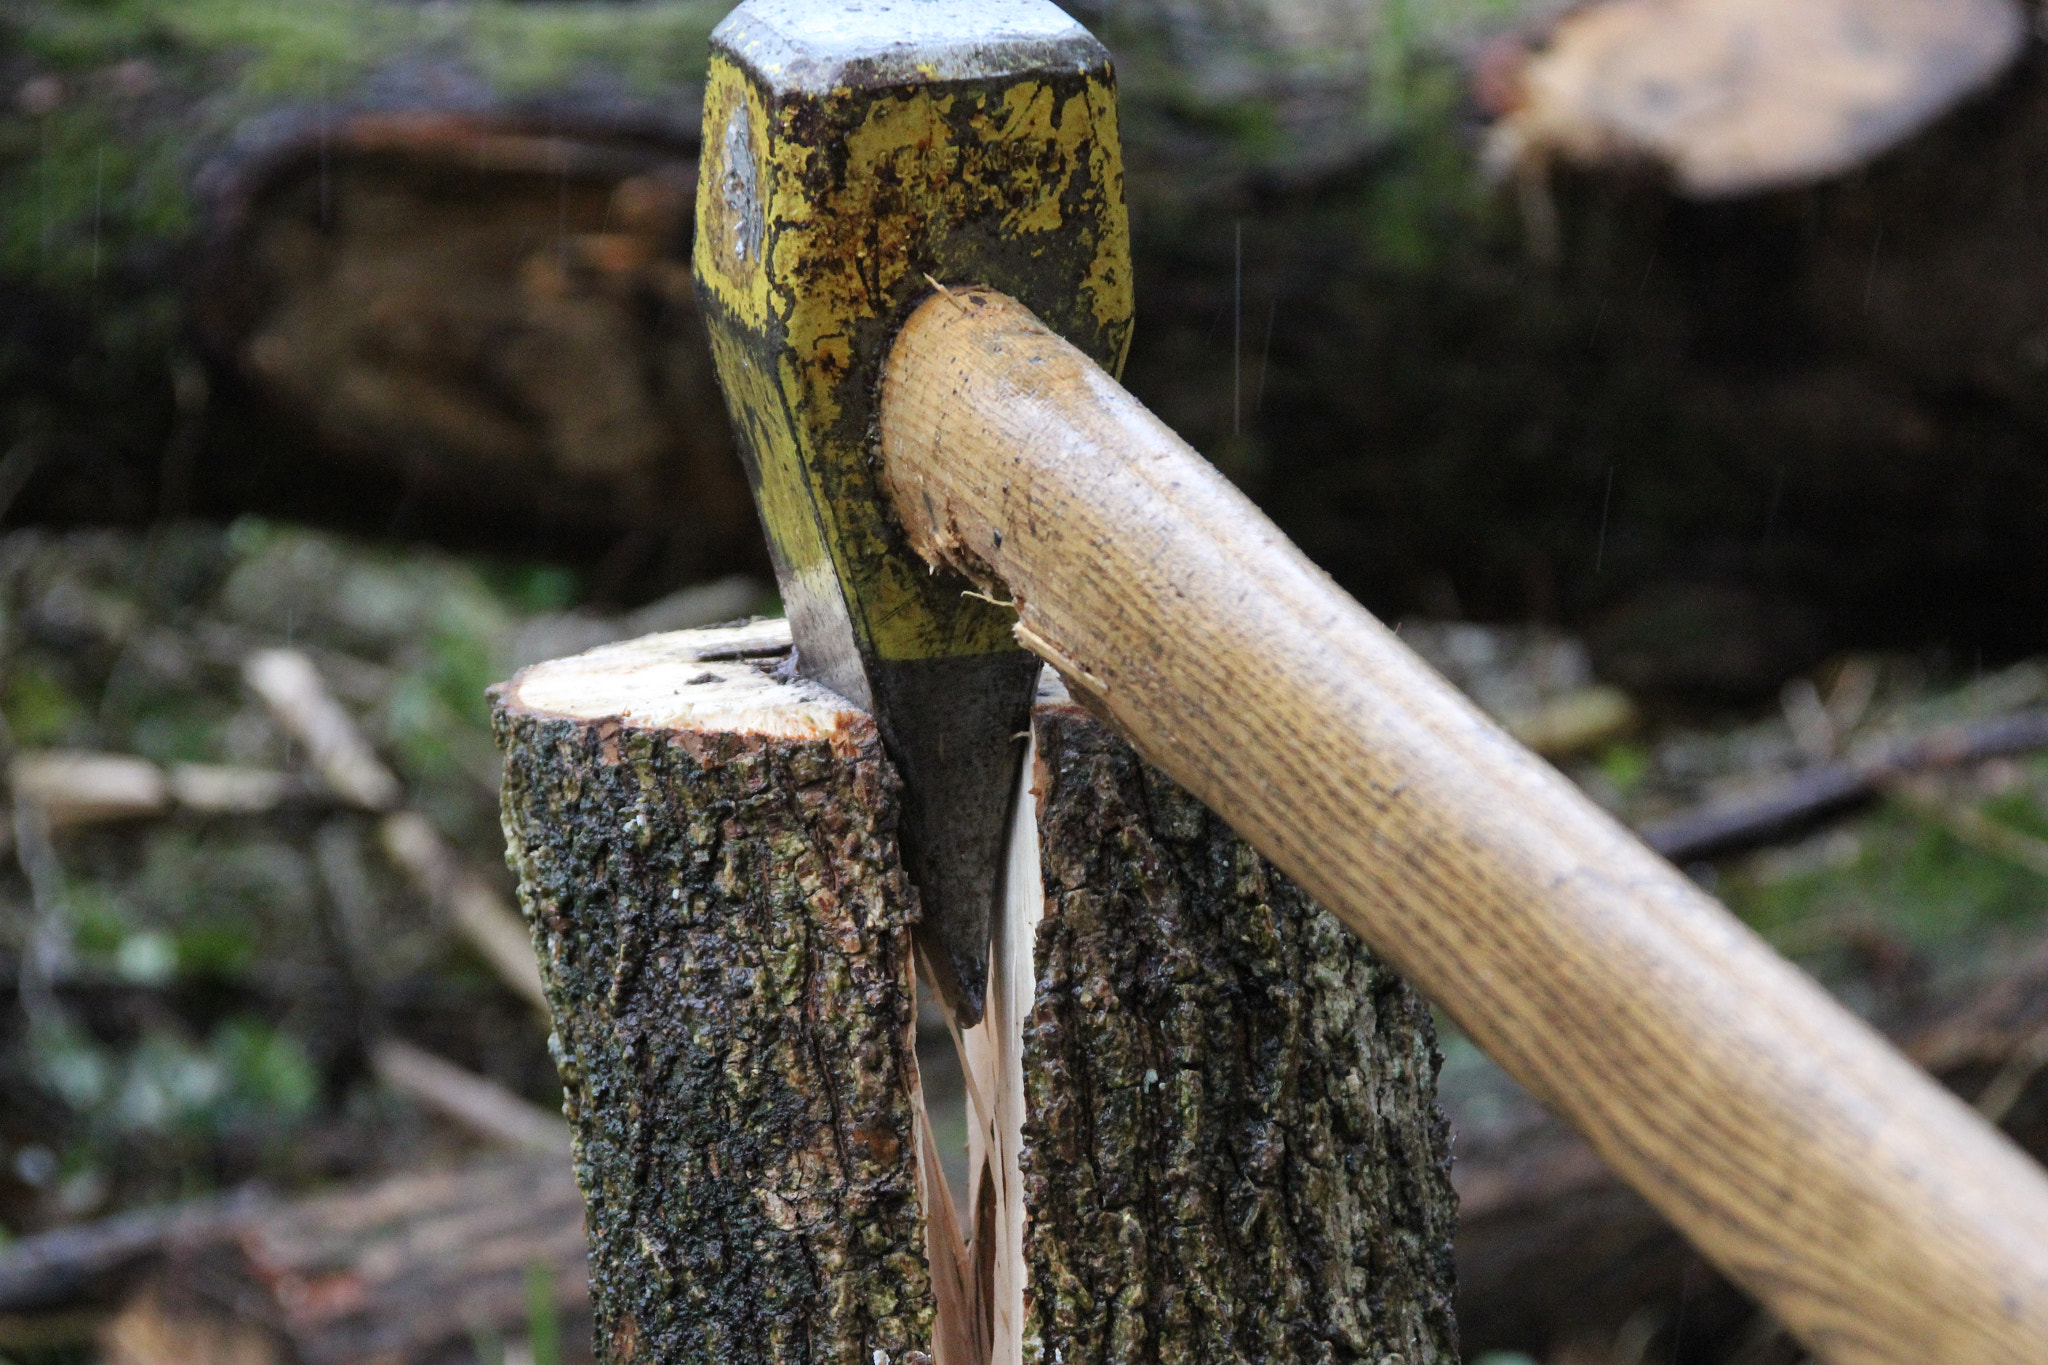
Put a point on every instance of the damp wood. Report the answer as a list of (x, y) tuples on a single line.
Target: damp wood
[(1202, 1117)]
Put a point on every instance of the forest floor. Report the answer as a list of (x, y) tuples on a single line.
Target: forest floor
[(196, 996)]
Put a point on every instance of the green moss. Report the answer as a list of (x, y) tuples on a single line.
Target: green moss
[(105, 170), (311, 47), (39, 709), (1892, 877)]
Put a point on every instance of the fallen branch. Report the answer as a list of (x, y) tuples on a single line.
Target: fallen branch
[(291, 686), (480, 1105), (1826, 789), (477, 911), (90, 1262), (80, 788), (407, 1270)]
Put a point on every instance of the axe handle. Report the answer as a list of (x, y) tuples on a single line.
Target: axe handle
[(1883, 1221)]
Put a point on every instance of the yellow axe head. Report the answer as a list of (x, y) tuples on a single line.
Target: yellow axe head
[(855, 155)]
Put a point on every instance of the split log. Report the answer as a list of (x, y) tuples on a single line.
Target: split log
[(1204, 1115), (706, 857), (1231, 1147), (408, 1271)]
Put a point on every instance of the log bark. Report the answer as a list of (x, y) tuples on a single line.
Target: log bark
[(706, 857), (1204, 1115), (1231, 1147)]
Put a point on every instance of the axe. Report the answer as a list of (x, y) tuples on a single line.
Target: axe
[(913, 259)]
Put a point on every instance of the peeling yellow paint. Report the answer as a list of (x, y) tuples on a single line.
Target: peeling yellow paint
[(860, 194)]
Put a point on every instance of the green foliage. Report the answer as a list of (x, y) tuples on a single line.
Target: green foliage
[(1893, 903), (316, 47), (543, 1320), (1625, 765), (147, 89), (529, 589), (40, 710), (244, 1074)]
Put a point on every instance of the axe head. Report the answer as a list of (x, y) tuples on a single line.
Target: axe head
[(855, 154)]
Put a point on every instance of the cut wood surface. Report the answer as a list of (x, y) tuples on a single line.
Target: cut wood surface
[(1206, 1132), (1877, 1216), (1733, 96)]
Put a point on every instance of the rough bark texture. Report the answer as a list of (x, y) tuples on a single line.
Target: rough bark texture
[(1232, 1149), (1232, 1145), (724, 931)]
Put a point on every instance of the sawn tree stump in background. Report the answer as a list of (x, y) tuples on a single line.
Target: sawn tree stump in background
[(1204, 1116)]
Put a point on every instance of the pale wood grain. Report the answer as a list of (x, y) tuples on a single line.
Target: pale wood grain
[(1876, 1215)]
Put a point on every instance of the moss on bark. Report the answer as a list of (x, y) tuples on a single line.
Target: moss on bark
[(1231, 1144), (1232, 1148), (724, 934)]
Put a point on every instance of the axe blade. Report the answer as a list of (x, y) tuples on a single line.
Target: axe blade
[(852, 155)]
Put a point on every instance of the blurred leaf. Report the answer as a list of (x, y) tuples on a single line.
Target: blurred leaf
[(268, 1071), (40, 710)]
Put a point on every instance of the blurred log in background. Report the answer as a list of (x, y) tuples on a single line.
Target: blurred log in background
[(1488, 307)]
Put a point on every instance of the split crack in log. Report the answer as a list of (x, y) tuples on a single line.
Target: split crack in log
[(1209, 1126)]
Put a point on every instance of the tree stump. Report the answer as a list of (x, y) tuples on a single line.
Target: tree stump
[(1202, 1116)]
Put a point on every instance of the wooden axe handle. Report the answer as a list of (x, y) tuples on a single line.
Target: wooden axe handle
[(1883, 1221)]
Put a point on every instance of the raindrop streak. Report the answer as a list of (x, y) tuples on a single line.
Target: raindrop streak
[(1771, 508), (323, 140), (46, 189), (562, 199), (1871, 278), (99, 185), (1606, 501), (1237, 332), (1265, 355)]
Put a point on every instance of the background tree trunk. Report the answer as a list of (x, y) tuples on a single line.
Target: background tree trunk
[(1227, 1145), (420, 270)]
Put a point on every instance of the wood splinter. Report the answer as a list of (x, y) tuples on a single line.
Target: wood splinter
[(1208, 1126)]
